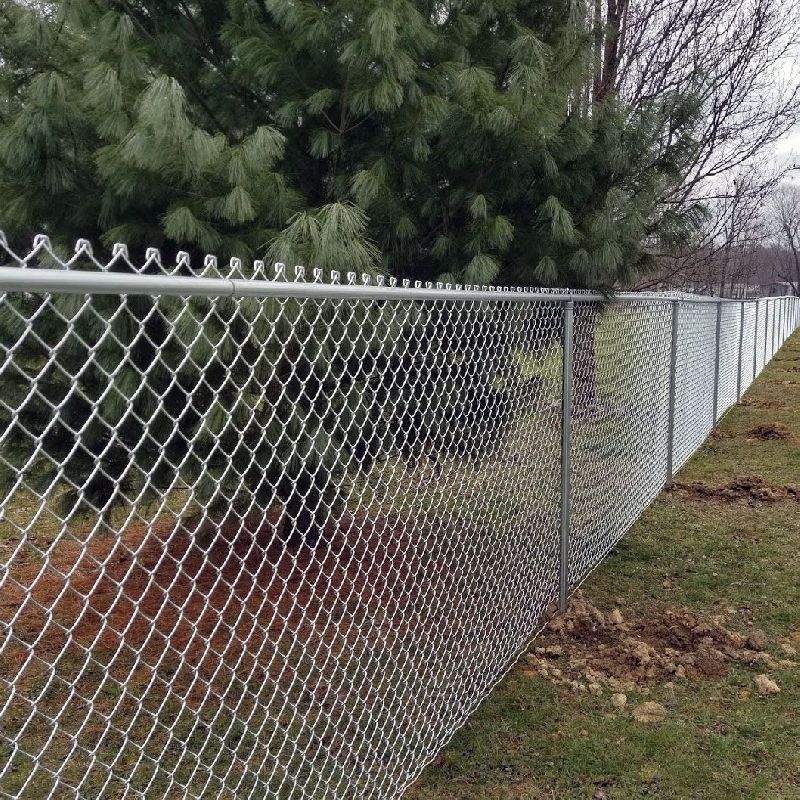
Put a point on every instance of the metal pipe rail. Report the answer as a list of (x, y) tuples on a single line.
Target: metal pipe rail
[(14, 279)]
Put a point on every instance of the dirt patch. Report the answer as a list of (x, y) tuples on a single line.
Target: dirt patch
[(755, 402), (148, 601), (752, 488), (719, 434), (591, 650), (770, 432)]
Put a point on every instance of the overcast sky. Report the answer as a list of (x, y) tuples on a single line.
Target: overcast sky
[(789, 147)]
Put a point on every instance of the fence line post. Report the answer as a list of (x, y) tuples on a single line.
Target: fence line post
[(775, 317), (773, 337), (766, 332), (741, 354), (716, 360), (673, 369), (781, 322), (755, 343), (566, 452), (772, 332), (784, 317)]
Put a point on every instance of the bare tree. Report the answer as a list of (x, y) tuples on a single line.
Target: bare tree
[(725, 252), (786, 210), (733, 56), (733, 65)]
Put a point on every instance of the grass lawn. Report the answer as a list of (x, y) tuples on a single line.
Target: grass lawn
[(690, 611)]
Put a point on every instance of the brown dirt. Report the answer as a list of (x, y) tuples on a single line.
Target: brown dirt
[(752, 488), (772, 431), (150, 601), (592, 650), (718, 434), (755, 402)]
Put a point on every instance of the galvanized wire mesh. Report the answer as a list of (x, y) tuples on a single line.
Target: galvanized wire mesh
[(747, 360), (694, 378), (621, 378), (280, 539), (729, 356)]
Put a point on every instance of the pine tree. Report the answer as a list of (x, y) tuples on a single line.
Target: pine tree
[(428, 141), (462, 131), (228, 126)]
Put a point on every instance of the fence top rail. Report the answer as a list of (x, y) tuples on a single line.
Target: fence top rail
[(32, 272), (65, 281)]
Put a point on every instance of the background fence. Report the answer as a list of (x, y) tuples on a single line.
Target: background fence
[(278, 538)]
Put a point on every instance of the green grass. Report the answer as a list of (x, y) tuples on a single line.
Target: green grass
[(720, 738)]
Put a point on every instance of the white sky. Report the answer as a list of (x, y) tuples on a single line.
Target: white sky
[(788, 148), (789, 143)]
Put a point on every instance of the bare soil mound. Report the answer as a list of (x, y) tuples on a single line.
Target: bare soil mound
[(771, 431), (752, 488), (149, 599), (589, 649), (756, 402)]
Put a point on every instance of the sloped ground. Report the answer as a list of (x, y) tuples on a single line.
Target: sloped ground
[(676, 672)]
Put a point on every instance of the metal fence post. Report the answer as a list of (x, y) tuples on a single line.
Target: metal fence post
[(766, 332), (782, 324), (741, 353), (784, 317), (776, 316), (772, 347), (787, 318), (755, 343), (716, 360), (673, 369), (566, 445)]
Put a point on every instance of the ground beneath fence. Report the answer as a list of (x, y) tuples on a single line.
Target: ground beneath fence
[(152, 592), (139, 640)]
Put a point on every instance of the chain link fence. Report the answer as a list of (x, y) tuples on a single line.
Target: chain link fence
[(264, 536)]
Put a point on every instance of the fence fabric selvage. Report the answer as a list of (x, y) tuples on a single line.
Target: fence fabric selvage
[(15, 279)]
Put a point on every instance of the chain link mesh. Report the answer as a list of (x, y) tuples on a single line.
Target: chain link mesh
[(621, 360), (283, 546), (762, 320), (729, 355), (748, 362), (694, 378)]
